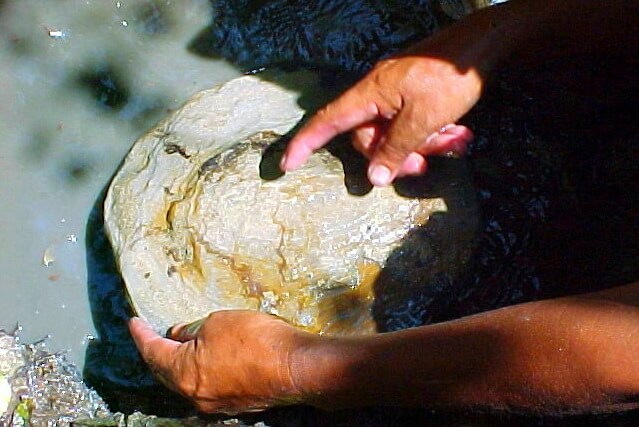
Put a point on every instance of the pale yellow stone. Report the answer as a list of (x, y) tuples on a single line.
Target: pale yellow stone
[(196, 229)]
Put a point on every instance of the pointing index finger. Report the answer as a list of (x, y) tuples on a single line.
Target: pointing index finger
[(351, 109)]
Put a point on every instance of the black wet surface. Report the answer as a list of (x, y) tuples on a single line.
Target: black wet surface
[(351, 35), (105, 86), (556, 180)]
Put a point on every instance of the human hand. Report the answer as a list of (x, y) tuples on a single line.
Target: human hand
[(401, 111), (236, 361)]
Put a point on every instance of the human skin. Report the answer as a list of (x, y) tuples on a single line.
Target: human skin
[(566, 355), (396, 112), (575, 354)]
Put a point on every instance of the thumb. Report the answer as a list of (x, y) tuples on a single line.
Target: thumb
[(185, 331)]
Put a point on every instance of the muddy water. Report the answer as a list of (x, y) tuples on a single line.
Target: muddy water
[(79, 82)]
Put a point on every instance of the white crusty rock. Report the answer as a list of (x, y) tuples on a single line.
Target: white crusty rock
[(40, 389), (200, 221)]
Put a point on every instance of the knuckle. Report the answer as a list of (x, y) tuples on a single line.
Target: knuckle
[(415, 79), (206, 407), (185, 374), (357, 143), (187, 388), (362, 140), (415, 69), (393, 151), (377, 76), (326, 117), (383, 65), (322, 112), (185, 385)]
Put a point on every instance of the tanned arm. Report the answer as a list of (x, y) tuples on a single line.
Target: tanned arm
[(574, 354), (571, 354), (396, 111)]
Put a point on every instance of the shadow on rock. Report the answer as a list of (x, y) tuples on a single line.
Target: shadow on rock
[(425, 275), (113, 366)]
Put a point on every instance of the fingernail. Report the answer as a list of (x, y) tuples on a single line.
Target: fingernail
[(446, 128), (135, 322), (414, 164), (379, 175), (289, 163), (169, 332), (194, 327), (283, 163)]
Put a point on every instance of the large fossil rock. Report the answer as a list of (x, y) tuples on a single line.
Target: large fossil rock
[(200, 219)]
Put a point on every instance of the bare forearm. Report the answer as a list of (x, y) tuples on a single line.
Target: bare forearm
[(532, 32), (565, 355), (538, 31)]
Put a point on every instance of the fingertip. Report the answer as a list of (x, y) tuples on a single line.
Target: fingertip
[(459, 130), (296, 154), (283, 163), (135, 323), (174, 331), (386, 163), (380, 175), (293, 160), (449, 145), (140, 330), (450, 140), (365, 137), (415, 164), (464, 135), (456, 139)]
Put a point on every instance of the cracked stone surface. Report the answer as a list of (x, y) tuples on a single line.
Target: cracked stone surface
[(200, 219)]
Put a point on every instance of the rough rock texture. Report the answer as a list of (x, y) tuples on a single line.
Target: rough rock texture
[(201, 220), (39, 388), (43, 389), (138, 419)]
